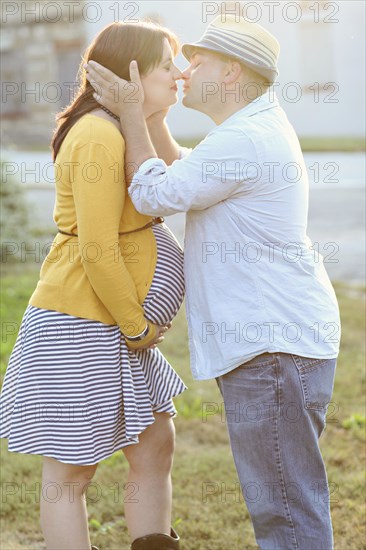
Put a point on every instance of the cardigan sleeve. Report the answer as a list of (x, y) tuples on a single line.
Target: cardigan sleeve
[(99, 198)]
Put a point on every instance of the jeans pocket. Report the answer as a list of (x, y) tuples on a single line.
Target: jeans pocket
[(317, 381), (250, 391)]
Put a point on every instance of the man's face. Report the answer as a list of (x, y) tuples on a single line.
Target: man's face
[(202, 78)]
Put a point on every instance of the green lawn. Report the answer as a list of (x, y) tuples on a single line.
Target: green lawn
[(220, 521), (314, 144), (309, 143)]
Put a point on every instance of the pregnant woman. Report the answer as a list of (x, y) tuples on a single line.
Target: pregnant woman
[(85, 377)]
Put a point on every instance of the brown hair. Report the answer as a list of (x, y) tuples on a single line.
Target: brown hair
[(114, 47)]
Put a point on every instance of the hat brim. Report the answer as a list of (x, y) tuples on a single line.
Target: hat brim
[(187, 50)]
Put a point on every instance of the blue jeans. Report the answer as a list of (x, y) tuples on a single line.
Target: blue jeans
[(275, 408)]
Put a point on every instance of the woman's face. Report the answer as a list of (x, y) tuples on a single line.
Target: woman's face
[(159, 85)]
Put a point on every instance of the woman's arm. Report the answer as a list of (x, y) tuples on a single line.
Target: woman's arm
[(99, 195)]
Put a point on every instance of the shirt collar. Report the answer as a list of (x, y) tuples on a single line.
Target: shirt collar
[(268, 100)]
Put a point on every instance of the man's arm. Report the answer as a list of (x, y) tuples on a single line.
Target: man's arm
[(146, 138), (198, 181), (130, 111), (164, 144), (140, 148), (222, 165)]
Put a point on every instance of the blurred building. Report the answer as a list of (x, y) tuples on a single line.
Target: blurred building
[(41, 48), (321, 81)]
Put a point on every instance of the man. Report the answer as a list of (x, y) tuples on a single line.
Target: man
[(263, 316)]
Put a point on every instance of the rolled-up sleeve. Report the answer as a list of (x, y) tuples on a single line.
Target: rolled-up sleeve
[(208, 174)]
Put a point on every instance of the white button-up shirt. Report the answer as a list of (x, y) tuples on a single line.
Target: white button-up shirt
[(253, 282)]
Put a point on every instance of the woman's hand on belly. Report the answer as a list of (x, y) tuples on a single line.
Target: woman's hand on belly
[(160, 331)]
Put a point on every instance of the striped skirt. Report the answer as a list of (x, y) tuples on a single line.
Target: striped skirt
[(73, 391)]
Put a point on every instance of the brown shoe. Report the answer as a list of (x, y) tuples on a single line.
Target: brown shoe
[(157, 541)]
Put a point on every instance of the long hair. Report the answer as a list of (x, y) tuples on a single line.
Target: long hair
[(114, 47)]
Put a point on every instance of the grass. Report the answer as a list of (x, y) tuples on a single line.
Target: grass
[(333, 143), (346, 144), (203, 458)]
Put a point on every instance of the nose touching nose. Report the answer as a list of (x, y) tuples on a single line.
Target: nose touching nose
[(178, 75), (181, 75)]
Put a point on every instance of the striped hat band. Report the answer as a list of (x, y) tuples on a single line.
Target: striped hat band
[(248, 42)]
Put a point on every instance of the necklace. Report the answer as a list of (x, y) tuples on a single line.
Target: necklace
[(110, 112)]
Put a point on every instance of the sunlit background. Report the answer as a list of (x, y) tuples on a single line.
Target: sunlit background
[(321, 87)]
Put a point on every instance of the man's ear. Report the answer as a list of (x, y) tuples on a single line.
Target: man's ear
[(233, 72)]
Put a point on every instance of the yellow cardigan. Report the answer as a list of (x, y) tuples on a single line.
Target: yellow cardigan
[(98, 274)]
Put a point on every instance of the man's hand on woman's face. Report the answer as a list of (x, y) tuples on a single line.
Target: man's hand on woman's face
[(114, 93)]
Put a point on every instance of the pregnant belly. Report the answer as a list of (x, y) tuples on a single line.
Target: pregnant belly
[(166, 292)]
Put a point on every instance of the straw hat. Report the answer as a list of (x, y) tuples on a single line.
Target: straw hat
[(249, 42)]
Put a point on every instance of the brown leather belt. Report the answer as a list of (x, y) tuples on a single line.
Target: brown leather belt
[(155, 221)]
